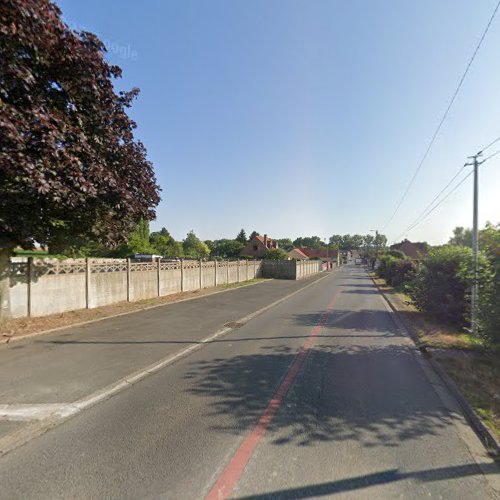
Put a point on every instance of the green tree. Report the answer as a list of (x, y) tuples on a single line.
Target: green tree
[(286, 244), (276, 254), (461, 237), (489, 299), (70, 164), (309, 242), (253, 235), (164, 245), (242, 237), (227, 249), (443, 282), (194, 248)]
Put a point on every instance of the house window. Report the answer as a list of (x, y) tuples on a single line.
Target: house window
[(255, 248)]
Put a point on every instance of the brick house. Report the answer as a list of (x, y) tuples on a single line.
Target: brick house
[(258, 246)]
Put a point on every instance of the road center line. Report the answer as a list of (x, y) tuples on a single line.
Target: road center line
[(230, 476)]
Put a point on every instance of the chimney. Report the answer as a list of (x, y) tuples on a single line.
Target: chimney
[(265, 240)]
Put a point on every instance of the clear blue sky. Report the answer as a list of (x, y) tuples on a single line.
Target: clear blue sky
[(306, 117)]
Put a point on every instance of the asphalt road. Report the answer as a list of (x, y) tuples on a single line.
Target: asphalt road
[(321, 396)]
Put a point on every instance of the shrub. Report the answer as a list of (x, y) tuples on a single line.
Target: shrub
[(276, 254), (395, 270), (442, 285)]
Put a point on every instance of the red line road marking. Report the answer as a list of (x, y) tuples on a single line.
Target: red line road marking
[(230, 476)]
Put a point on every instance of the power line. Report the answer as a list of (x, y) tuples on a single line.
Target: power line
[(436, 197), (489, 145), (427, 211), (436, 132), (491, 156)]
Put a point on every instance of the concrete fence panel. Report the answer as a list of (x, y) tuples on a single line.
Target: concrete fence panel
[(47, 286)]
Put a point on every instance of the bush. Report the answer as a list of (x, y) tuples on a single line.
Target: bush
[(276, 254), (396, 253), (396, 271), (442, 285)]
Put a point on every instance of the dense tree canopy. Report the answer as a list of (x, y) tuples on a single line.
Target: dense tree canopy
[(194, 248), (226, 249), (286, 244), (308, 241), (69, 162)]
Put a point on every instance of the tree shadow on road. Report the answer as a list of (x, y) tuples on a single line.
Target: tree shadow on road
[(378, 478), (372, 396), (364, 320)]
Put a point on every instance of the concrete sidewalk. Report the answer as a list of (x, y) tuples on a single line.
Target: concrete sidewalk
[(39, 375)]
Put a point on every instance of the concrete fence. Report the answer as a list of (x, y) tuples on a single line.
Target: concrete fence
[(48, 286), (290, 269)]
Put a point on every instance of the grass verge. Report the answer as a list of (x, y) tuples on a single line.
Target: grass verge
[(470, 362)]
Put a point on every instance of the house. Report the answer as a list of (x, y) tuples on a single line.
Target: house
[(297, 254), (415, 251), (328, 256), (323, 254), (258, 246)]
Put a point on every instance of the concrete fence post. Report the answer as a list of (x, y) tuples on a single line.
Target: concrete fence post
[(255, 268), (238, 272), (158, 269), (246, 261), (215, 267), (182, 275), (29, 280), (227, 271), (128, 279), (201, 274), (87, 283)]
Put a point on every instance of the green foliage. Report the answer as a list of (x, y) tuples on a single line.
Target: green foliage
[(397, 271), (253, 235), (194, 248), (164, 245), (242, 237), (461, 237), (226, 249), (489, 299), (276, 254), (286, 244), (309, 242), (348, 242), (443, 282), (70, 164), (395, 253)]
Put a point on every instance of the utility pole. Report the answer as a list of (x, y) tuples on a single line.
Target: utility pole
[(475, 288)]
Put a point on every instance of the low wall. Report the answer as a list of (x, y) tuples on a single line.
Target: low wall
[(290, 269), (47, 286), (39, 287)]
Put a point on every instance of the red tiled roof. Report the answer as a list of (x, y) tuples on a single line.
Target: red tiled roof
[(321, 253), (413, 250), (299, 252)]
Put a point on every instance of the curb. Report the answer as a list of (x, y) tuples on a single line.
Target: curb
[(489, 440)]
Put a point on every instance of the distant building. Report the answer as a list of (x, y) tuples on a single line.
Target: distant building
[(297, 253), (415, 251), (326, 255), (258, 246)]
